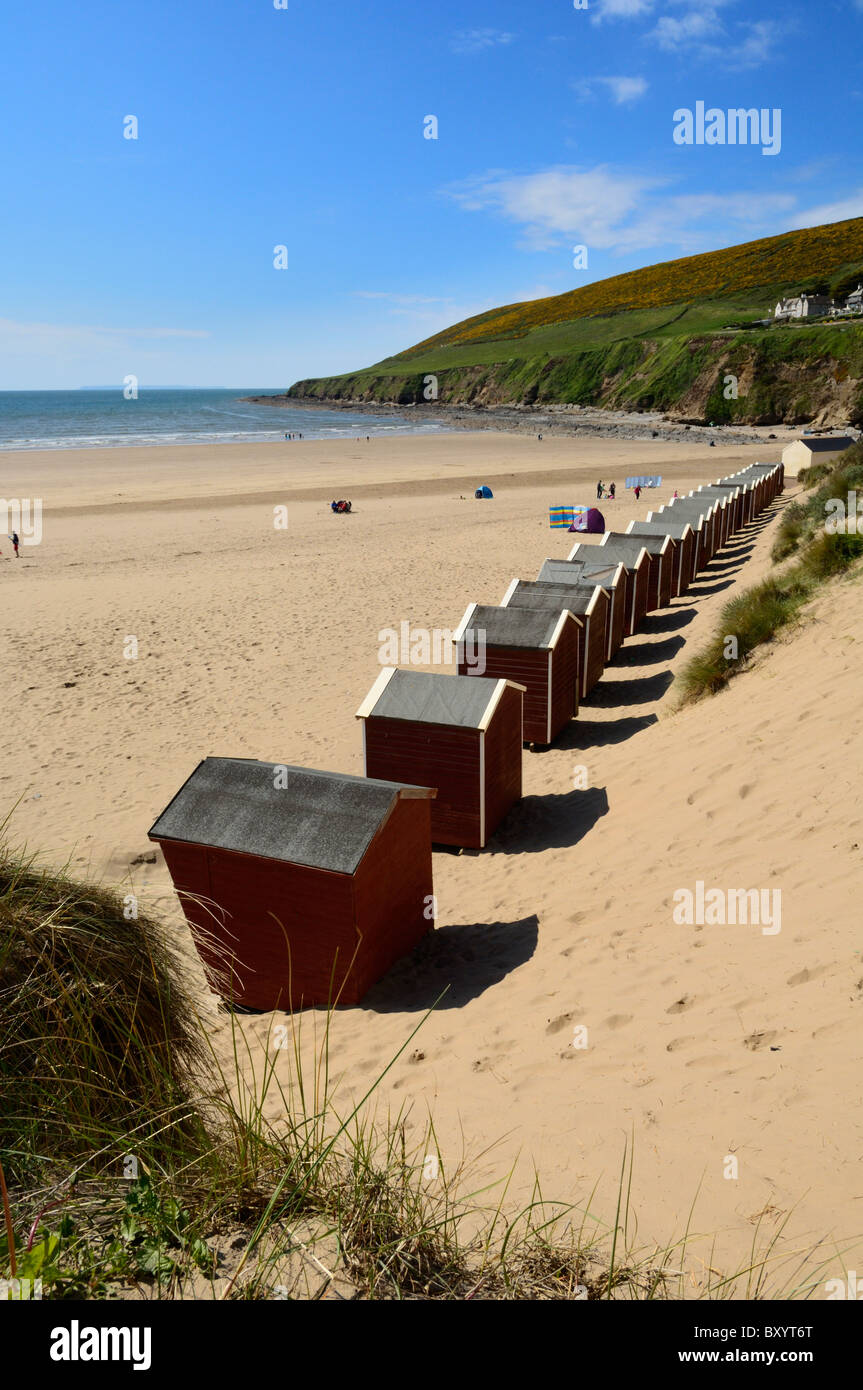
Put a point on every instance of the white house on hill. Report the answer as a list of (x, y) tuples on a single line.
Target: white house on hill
[(803, 306), (854, 303)]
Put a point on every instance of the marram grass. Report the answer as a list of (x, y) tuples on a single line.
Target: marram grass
[(103, 1059)]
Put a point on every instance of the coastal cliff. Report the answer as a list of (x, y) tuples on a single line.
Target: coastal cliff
[(691, 338)]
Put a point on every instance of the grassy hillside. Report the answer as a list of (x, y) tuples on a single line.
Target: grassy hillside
[(660, 338), (768, 266)]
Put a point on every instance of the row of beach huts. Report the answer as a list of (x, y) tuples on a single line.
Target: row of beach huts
[(303, 887)]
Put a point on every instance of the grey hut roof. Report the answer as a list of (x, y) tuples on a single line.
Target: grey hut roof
[(659, 527), (630, 542), (577, 571), (427, 697), (690, 507), (325, 820), (536, 593), (512, 627), (624, 549), (823, 446)]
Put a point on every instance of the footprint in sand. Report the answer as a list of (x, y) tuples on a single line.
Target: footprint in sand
[(805, 975), (757, 1041), (831, 1030), (618, 1020), (681, 1005), (677, 1044), (562, 1021)]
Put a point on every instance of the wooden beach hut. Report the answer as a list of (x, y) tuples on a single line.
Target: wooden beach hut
[(773, 475), (609, 576), (802, 453), (589, 602), (536, 649), (300, 887), (701, 517), (461, 736), (682, 542), (660, 558), (768, 480), (722, 500), (745, 489), (663, 558), (637, 569), (736, 504)]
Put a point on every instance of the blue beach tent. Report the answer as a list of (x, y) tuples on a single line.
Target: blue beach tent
[(484, 491)]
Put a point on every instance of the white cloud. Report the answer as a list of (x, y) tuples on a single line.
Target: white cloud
[(673, 33), (852, 206), (400, 299), (592, 204), (47, 337), (477, 40), (622, 9), (701, 33), (622, 89), (618, 211), (695, 28)]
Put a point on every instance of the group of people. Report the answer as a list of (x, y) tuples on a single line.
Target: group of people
[(603, 494), (340, 506)]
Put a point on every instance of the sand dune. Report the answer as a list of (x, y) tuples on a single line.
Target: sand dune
[(705, 1041)]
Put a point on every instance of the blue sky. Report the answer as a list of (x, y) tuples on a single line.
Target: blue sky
[(260, 127)]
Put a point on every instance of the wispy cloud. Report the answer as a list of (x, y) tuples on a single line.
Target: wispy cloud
[(840, 211), (696, 29), (621, 9), (400, 299), (12, 331), (622, 89), (477, 40), (700, 32), (617, 210)]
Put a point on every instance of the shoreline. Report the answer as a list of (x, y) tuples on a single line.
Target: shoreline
[(164, 478), (554, 420)]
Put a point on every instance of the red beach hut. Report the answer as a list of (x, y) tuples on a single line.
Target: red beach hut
[(589, 602), (300, 887), (459, 735), (536, 649)]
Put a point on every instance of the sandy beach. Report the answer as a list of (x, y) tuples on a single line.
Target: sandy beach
[(259, 641)]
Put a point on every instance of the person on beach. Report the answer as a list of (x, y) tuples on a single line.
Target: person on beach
[(14, 539), (637, 491), (599, 490), (611, 491)]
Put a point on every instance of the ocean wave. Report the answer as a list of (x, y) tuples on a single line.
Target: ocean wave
[(182, 437)]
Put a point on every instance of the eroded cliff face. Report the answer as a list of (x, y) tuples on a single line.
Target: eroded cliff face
[(792, 377)]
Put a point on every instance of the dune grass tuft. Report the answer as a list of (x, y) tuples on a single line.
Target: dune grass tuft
[(104, 1060), (755, 616)]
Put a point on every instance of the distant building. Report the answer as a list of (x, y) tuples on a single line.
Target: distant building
[(854, 302), (804, 452), (803, 306)]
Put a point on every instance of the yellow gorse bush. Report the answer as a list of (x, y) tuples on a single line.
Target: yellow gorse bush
[(776, 262)]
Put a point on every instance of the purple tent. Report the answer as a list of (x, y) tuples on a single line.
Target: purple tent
[(589, 520)]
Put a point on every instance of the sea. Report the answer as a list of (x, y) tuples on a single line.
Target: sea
[(102, 418)]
